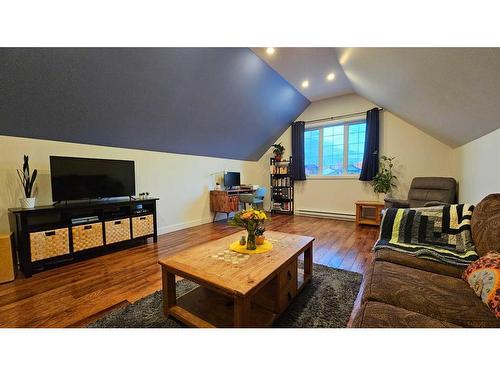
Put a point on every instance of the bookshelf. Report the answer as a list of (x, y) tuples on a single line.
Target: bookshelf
[(282, 189)]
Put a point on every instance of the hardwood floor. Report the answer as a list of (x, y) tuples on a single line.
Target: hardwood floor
[(75, 294)]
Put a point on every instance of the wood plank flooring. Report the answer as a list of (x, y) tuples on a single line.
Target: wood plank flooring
[(75, 294)]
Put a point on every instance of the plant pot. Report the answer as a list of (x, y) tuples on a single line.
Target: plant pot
[(259, 240), (277, 157), (27, 202)]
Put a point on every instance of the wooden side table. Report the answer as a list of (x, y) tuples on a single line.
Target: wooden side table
[(369, 212)]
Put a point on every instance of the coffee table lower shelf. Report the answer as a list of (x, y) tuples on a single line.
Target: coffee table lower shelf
[(204, 308)]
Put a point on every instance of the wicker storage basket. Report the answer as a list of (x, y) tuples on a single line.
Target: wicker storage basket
[(117, 230), (87, 236), (48, 244), (142, 226)]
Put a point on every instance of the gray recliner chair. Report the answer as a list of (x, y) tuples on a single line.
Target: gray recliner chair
[(427, 191)]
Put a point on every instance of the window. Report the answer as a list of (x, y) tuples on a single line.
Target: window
[(335, 150)]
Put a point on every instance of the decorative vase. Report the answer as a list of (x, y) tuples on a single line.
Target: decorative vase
[(251, 245), (27, 202), (259, 240), (277, 157)]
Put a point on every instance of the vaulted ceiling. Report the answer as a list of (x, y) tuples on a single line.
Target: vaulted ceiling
[(450, 93), (235, 102), (220, 102)]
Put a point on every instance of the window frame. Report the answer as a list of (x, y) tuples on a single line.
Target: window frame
[(320, 127)]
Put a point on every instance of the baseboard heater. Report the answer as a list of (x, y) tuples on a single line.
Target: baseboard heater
[(326, 214)]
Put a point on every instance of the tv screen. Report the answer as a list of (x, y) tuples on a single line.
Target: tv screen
[(82, 178), (231, 179)]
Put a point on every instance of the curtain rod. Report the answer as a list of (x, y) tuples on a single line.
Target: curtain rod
[(338, 117)]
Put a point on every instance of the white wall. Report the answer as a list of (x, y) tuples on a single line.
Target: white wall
[(181, 182), (478, 167), (417, 154)]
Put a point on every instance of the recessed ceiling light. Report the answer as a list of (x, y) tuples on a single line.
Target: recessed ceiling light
[(270, 50), (305, 84), (330, 77)]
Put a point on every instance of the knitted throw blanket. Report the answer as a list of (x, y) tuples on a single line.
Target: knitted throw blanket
[(441, 233)]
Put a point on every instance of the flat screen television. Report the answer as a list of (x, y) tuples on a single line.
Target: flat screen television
[(84, 178), (231, 179)]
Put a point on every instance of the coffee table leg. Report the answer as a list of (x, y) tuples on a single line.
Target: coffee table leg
[(169, 294), (241, 311), (308, 263)]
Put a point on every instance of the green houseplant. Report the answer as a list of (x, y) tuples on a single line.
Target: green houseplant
[(27, 182), (278, 151), (384, 181)]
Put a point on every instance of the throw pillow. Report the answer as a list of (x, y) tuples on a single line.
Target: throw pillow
[(483, 276)]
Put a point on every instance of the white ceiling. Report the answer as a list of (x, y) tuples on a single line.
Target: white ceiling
[(452, 94), (312, 64)]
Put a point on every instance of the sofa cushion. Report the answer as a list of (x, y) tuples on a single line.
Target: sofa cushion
[(419, 263), (437, 296), (483, 277), (485, 225), (381, 315)]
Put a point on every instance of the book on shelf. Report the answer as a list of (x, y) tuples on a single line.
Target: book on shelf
[(281, 194), (281, 206), (282, 182), (279, 169)]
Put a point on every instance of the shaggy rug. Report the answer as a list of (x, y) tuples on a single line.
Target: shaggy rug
[(326, 302)]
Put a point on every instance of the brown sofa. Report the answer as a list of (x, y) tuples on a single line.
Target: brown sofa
[(400, 290)]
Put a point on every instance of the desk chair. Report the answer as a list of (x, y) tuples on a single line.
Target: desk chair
[(256, 199)]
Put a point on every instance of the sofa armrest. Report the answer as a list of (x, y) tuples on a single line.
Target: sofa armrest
[(435, 203), (396, 203)]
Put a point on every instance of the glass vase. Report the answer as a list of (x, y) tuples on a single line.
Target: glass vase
[(251, 245)]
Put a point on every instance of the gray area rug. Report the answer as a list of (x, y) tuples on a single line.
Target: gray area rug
[(326, 302)]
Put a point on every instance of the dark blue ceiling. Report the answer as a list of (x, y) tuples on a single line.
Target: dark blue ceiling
[(220, 102)]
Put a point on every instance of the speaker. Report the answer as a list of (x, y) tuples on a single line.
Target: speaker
[(8, 263)]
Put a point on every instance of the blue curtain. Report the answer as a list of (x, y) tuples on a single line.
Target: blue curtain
[(370, 159), (298, 166)]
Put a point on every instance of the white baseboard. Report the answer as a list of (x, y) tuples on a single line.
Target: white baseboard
[(326, 214), (184, 225), (301, 212)]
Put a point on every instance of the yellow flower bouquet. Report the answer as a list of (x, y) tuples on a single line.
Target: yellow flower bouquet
[(249, 220)]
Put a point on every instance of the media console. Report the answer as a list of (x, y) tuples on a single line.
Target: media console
[(47, 236)]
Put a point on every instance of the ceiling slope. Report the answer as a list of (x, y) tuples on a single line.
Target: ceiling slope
[(312, 64), (452, 94), (219, 102)]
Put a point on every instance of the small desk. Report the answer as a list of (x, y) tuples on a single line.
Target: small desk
[(369, 212), (227, 201)]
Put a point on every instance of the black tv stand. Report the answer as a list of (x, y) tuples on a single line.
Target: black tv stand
[(45, 236)]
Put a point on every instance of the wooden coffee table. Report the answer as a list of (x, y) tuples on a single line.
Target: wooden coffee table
[(236, 290)]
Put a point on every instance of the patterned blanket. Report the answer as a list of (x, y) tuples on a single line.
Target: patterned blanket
[(441, 233)]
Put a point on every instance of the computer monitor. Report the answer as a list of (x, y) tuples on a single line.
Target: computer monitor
[(231, 179)]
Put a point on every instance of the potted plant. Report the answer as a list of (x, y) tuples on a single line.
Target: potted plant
[(249, 220), (259, 236), (27, 182), (278, 151), (384, 181)]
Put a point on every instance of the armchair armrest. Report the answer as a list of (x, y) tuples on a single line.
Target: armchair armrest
[(396, 203), (435, 203)]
